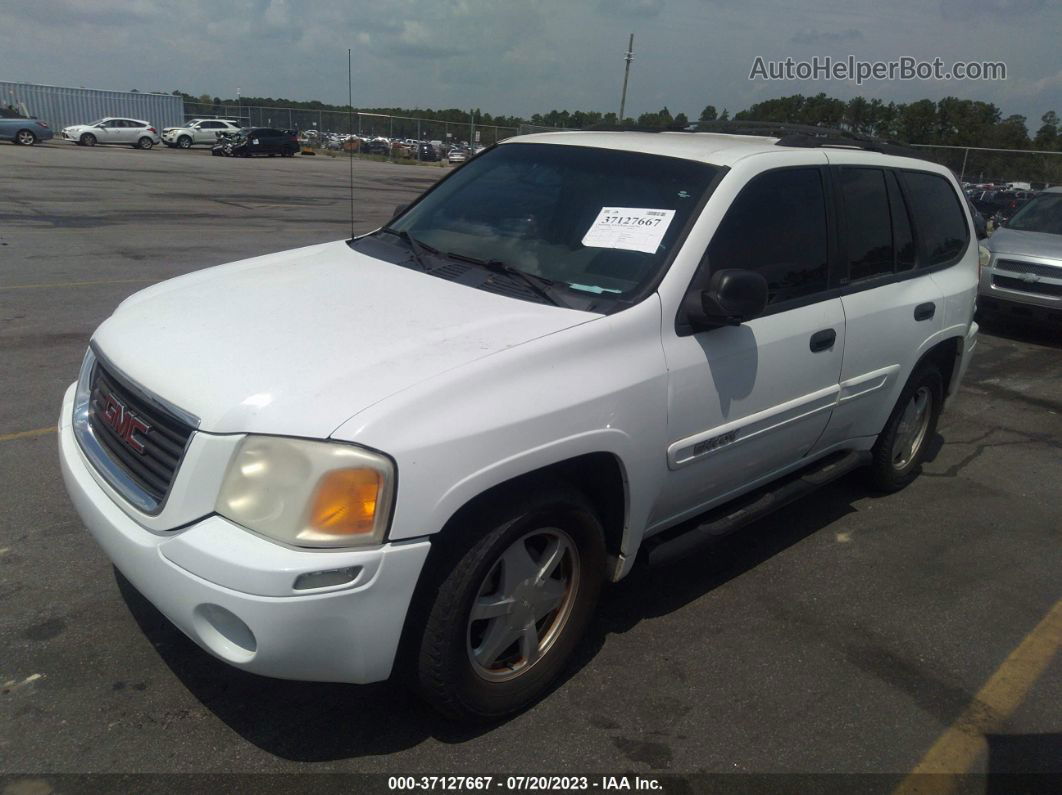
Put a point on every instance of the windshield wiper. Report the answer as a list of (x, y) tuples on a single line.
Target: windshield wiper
[(416, 248), (540, 284)]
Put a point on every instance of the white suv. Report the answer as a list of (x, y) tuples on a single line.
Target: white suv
[(429, 446), (198, 132)]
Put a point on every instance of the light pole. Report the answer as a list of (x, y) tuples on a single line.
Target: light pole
[(626, 73)]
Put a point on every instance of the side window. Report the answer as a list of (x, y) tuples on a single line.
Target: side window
[(868, 228), (902, 236), (938, 217), (777, 226)]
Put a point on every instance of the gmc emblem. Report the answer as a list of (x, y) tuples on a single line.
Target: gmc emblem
[(124, 422)]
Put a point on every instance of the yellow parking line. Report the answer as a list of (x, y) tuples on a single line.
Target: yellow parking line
[(7, 437), (956, 750), (72, 284)]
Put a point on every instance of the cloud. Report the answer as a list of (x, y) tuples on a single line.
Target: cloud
[(819, 37), (995, 9), (631, 8)]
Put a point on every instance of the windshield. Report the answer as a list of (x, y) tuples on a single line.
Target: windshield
[(1042, 214), (596, 222)]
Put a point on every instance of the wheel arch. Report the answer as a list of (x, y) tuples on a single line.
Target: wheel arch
[(600, 476), (946, 354)]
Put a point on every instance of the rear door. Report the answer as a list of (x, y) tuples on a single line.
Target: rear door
[(129, 131), (207, 131), (892, 304)]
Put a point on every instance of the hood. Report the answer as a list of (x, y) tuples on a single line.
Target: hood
[(1030, 244), (296, 343)]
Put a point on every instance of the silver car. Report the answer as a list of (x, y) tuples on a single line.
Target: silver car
[(1024, 272), (137, 133)]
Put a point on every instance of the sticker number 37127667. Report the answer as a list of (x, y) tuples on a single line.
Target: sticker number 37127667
[(628, 228)]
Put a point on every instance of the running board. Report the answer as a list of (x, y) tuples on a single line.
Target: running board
[(690, 536)]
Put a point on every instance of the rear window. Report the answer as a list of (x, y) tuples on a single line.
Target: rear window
[(867, 222), (938, 217)]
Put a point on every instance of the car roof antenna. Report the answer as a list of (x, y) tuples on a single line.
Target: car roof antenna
[(350, 140)]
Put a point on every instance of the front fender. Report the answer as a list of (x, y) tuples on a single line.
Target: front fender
[(597, 387)]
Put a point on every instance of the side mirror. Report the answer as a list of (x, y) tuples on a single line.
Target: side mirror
[(733, 297)]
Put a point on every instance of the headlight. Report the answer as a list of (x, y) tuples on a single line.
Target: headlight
[(983, 258), (309, 494)]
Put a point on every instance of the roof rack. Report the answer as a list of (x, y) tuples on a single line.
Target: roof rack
[(807, 136), (794, 135)]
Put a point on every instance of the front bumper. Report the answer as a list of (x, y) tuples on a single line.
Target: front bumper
[(233, 593), (1021, 286)]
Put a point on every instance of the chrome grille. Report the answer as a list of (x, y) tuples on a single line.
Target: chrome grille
[(149, 458), (1033, 288), (1019, 266)]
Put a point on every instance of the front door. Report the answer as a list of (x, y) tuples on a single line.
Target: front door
[(747, 401)]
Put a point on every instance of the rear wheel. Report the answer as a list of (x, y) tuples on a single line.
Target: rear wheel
[(902, 445), (88, 139), (25, 138), (514, 595)]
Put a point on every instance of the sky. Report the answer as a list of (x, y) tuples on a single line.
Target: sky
[(519, 57)]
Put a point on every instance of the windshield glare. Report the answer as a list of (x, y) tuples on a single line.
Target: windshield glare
[(1042, 214), (533, 207)]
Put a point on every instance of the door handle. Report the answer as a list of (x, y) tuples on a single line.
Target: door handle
[(823, 340), (925, 311)]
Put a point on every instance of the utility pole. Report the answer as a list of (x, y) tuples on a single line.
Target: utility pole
[(626, 73)]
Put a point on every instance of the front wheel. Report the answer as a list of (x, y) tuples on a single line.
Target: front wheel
[(515, 595), (903, 442), (88, 139), (25, 138), (184, 142)]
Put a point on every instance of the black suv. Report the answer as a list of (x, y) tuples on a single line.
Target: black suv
[(259, 141)]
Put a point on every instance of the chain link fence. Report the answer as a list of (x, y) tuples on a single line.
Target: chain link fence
[(984, 165), (363, 124)]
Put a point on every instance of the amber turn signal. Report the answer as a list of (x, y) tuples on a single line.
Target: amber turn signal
[(345, 502)]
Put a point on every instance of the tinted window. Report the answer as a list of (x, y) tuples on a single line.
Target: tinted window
[(867, 222), (777, 226), (938, 217), (902, 236)]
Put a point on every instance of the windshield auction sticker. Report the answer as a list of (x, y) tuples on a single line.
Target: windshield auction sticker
[(628, 228)]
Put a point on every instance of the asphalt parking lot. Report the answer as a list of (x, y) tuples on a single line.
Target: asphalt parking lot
[(850, 633)]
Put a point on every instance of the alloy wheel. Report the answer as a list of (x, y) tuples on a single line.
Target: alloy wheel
[(911, 431), (523, 604)]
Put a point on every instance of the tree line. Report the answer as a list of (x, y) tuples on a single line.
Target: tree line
[(947, 122)]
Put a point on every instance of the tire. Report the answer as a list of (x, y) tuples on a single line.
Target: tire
[(25, 138), (88, 139), (898, 454), (184, 142), (543, 555), (145, 143)]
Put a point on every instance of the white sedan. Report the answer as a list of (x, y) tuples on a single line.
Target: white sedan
[(130, 132)]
